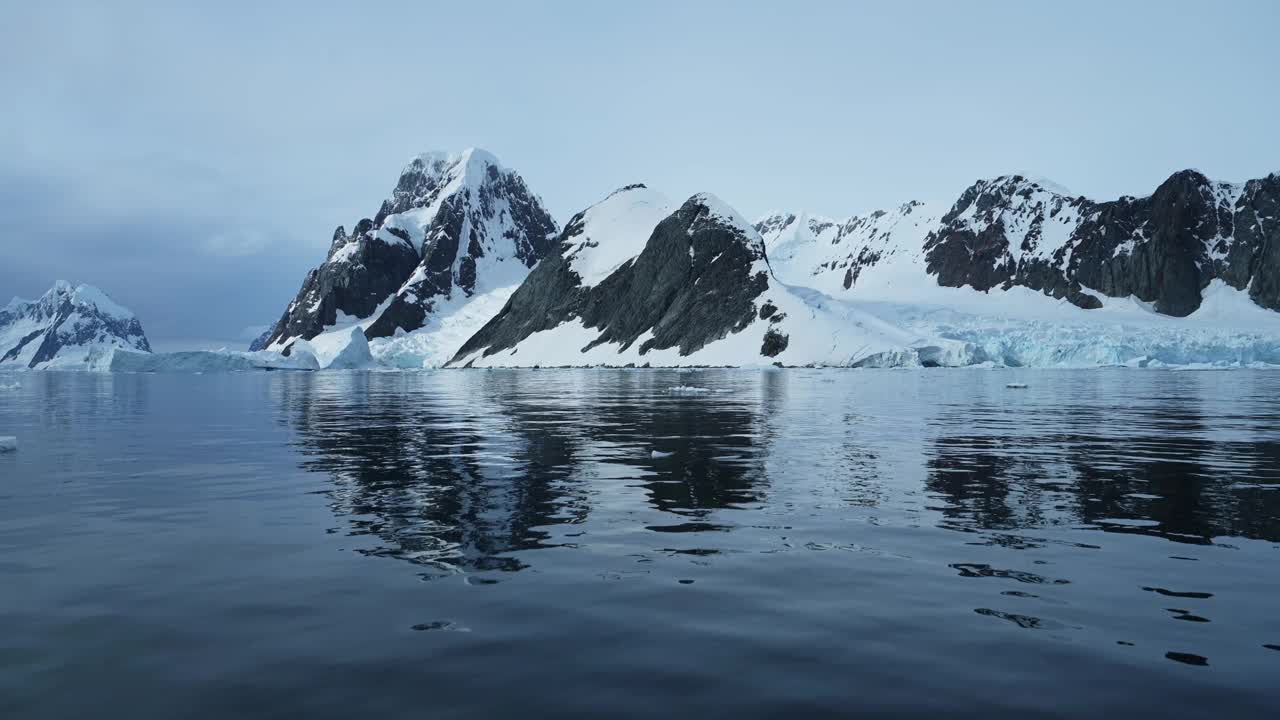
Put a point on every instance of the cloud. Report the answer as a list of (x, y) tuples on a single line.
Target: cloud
[(184, 268), (236, 243)]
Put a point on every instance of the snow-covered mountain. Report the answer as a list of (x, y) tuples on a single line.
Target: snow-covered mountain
[(1028, 275), (66, 328), (1166, 249), (1015, 272), (636, 281), (458, 230)]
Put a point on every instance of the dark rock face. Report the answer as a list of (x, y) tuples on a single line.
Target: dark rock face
[(1163, 249), (774, 343), (68, 317), (426, 242), (361, 272), (695, 282), (1254, 262)]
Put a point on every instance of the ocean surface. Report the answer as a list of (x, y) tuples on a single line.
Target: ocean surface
[(590, 544)]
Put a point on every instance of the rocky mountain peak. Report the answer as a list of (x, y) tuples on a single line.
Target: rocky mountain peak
[(431, 175), (67, 320), (456, 224), (705, 211), (987, 197)]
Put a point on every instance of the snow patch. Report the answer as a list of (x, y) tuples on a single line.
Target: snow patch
[(614, 231)]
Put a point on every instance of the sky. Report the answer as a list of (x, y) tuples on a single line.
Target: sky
[(193, 159)]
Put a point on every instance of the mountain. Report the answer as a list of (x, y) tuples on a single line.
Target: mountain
[(635, 281), (1014, 272), (65, 328), (1165, 249), (463, 267), (456, 229)]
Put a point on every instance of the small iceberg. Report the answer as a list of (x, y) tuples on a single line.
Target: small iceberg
[(658, 454), (339, 350), (10, 386), (8, 443)]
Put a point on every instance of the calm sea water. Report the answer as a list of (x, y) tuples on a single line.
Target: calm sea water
[(586, 544)]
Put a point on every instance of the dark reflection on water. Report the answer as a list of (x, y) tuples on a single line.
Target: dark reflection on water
[(451, 480), (789, 543), (458, 483)]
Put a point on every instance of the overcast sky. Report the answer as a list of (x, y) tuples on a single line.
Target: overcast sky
[(193, 161)]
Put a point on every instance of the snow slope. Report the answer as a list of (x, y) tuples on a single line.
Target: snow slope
[(614, 231), (833, 256), (453, 322)]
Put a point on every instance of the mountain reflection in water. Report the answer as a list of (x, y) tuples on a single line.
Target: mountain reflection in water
[(586, 543)]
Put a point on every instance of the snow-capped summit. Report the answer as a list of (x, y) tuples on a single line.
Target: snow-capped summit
[(456, 227), (613, 231), (1054, 187), (715, 211), (65, 327)]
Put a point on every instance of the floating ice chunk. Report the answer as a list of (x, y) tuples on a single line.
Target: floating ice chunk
[(688, 390), (8, 443), (10, 386), (657, 454)]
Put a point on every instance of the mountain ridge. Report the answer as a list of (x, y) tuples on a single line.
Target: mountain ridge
[(635, 278), (1164, 248)]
